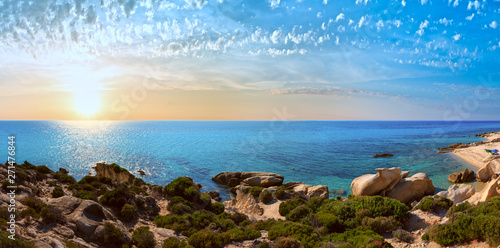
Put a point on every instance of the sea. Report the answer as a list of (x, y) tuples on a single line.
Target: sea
[(330, 153)]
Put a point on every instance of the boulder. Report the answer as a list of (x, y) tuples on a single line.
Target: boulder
[(462, 177), (263, 181), (231, 179), (291, 185), (214, 195), (104, 170), (490, 190), (485, 174), (372, 184), (458, 192), (412, 188), (309, 191), (490, 157), (66, 204)]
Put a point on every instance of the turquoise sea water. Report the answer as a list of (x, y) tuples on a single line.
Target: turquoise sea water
[(313, 152)]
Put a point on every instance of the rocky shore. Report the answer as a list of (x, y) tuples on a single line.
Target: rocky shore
[(390, 208)]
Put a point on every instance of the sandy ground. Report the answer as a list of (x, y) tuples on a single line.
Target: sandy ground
[(475, 155)]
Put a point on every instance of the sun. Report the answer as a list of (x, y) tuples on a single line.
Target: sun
[(87, 102)]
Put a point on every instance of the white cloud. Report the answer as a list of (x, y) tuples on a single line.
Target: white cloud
[(423, 1), (275, 36), (362, 2), (379, 24), (325, 2), (339, 17), (361, 21), (403, 3), (469, 18), (493, 24), (456, 37), (455, 3), (341, 28), (422, 26), (445, 21), (351, 22), (196, 4), (274, 3)]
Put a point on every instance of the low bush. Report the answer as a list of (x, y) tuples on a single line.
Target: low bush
[(217, 208), (304, 233), (469, 222), (279, 194), (240, 234), (180, 206), (57, 192), (266, 196), (128, 212), (205, 239), (238, 218), (113, 237), (264, 245), (381, 224), (117, 198), (298, 213), (402, 235), (357, 238), (434, 203), (287, 243), (183, 187), (70, 244), (143, 238), (289, 205), (43, 169), (18, 242), (255, 190), (174, 242), (6, 184), (117, 169), (50, 214), (64, 178)]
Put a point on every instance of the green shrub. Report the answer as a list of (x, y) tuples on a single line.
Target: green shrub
[(180, 206), (113, 236), (239, 217), (433, 203), (255, 190), (205, 239), (315, 203), (469, 222), (298, 213), (287, 243), (139, 182), (174, 242), (117, 169), (43, 169), (358, 238), (84, 194), (57, 192), (240, 234), (266, 196), (264, 245), (279, 194), (128, 213), (143, 238), (381, 224), (64, 178), (50, 214), (331, 222), (117, 198), (204, 201), (6, 184), (183, 187), (264, 225), (140, 203), (304, 233), (402, 235), (217, 208), (289, 205), (5, 241)]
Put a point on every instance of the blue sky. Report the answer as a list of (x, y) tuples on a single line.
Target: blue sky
[(322, 59)]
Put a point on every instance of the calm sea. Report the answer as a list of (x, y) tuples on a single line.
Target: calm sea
[(313, 152)]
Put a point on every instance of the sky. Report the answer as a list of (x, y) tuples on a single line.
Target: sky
[(249, 60)]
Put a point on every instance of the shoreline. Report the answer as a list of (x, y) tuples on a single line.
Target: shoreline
[(474, 154)]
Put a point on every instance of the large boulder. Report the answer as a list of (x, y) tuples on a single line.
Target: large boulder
[(486, 173), (115, 173), (372, 184), (489, 191), (462, 177), (458, 192), (232, 179), (412, 188), (263, 181), (309, 191)]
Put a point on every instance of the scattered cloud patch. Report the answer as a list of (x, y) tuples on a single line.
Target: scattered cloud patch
[(493, 24), (339, 17), (456, 37), (423, 25)]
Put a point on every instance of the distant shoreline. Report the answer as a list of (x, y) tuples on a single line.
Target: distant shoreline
[(474, 154)]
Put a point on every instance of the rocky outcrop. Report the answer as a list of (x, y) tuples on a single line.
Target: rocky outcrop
[(486, 173), (458, 192), (113, 171), (412, 188), (462, 177), (490, 190), (309, 191), (87, 218), (262, 179), (394, 184), (383, 155), (373, 184)]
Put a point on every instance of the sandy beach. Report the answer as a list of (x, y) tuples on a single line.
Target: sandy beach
[(475, 154)]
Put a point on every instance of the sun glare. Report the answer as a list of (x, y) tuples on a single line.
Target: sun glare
[(87, 102)]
